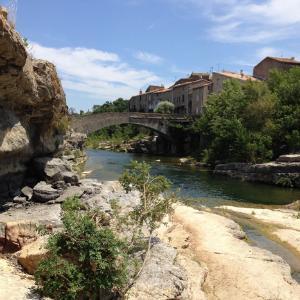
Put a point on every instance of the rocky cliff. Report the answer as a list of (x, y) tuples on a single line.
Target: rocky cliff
[(33, 109)]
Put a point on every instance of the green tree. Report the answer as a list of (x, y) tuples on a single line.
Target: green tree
[(237, 123), (85, 259), (286, 86), (165, 107), (119, 105)]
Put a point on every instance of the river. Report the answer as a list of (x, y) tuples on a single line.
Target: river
[(201, 187)]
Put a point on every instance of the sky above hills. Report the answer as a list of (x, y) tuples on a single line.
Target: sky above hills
[(105, 49)]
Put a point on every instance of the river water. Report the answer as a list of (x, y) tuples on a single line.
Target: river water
[(201, 187)]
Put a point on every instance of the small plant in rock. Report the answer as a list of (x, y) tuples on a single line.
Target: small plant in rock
[(285, 182), (86, 260), (154, 205)]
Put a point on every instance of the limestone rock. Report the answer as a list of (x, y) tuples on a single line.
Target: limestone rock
[(99, 202), (68, 193), (90, 186), (32, 107), (31, 255), (70, 177), (270, 173), (44, 192), (20, 200), (18, 226), (19, 233), (289, 158), (161, 278), (15, 285), (51, 169), (27, 191)]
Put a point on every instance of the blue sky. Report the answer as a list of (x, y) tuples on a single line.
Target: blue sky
[(105, 49)]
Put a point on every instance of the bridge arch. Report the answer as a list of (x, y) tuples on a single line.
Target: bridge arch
[(93, 122)]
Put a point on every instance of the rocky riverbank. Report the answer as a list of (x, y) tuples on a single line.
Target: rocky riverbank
[(147, 145), (227, 267), (282, 223), (283, 172), (196, 255)]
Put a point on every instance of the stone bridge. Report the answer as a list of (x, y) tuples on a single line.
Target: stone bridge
[(157, 122)]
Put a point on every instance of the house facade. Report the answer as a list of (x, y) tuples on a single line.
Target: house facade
[(190, 94), (262, 69), (218, 79), (187, 94)]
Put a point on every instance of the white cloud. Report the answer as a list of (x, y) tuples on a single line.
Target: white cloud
[(96, 73), (148, 58), (268, 51), (250, 20)]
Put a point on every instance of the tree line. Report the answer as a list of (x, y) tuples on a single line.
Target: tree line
[(251, 122)]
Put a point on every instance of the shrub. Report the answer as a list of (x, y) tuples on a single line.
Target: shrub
[(165, 107), (285, 181), (153, 205), (85, 259)]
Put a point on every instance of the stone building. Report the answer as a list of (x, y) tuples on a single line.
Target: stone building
[(146, 102), (218, 79), (187, 94), (262, 70)]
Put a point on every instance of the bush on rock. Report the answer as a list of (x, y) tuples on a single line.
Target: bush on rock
[(85, 260)]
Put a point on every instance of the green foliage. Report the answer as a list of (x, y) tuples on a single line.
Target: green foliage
[(165, 107), (63, 125), (252, 122), (153, 205), (84, 259), (286, 87), (117, 135), (237, 123), (119, 105), (26, 42), (285, 181)]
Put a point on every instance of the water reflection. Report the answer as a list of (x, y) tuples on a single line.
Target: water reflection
[(192, 182)]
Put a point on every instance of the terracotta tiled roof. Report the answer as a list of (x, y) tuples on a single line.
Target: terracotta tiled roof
[(236, 75), (162, 91), (285, 60), (204, 81), (152, 88)]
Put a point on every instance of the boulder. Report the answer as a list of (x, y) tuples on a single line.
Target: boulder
[(160, 278), (31, 255), (44, 192), (289, 158), (20, 200), (51, 169), (18, 226), (27, 191), (70, 177), (68, 193), (90, 186), (19, 233)]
